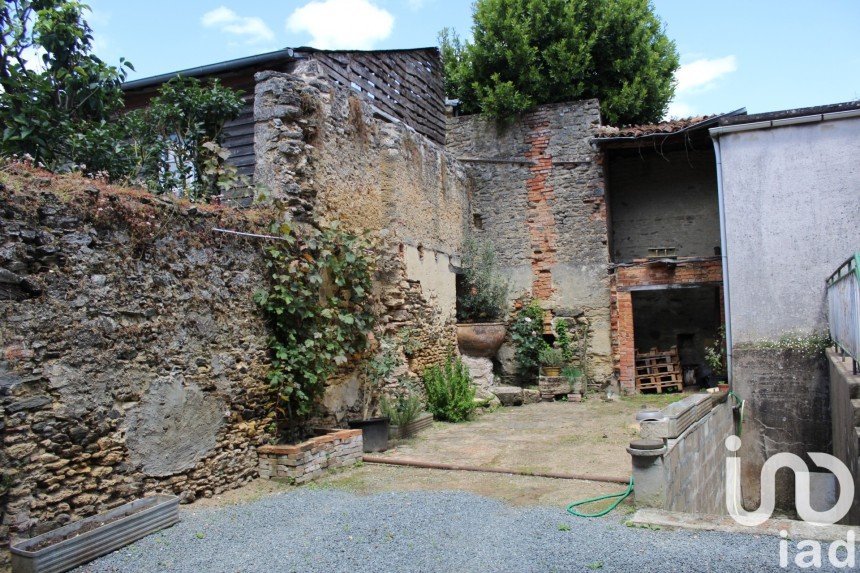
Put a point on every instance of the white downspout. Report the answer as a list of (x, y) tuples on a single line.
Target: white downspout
[(724, 254)]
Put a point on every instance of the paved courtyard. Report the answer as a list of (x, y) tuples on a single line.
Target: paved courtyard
[(582, 438)]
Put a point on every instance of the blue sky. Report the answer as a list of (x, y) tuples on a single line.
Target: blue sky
[(764, 55)]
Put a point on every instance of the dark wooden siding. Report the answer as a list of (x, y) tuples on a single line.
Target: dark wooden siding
[(406, 85), (239, 138)]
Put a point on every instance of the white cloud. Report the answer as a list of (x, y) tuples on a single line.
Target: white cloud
[(252, 29), (342, 24), (701, 74), (696, 77), (679, 109)]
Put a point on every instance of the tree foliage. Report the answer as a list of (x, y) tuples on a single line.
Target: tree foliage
[(484, 293), (174, 143), (57, 96), (318, 306), (531, 52)]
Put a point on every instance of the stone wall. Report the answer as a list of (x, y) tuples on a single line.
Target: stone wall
[(134, 360), (689, 473), (663, 200), (787, 410), (845, 414), (538, 194), (326, 153)]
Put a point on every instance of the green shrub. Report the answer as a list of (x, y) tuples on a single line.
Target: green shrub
[(403, 409), (484, 296), (563, 341), (175, 141), (551, 356), (450, 394), (527, 335)]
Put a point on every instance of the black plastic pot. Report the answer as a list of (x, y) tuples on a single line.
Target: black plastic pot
[(374, 433)]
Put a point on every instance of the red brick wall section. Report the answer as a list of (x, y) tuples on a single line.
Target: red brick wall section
[(684, 272), (642, 273), (540, 219)]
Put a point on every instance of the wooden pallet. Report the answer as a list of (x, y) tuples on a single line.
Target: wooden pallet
[(659, 370)]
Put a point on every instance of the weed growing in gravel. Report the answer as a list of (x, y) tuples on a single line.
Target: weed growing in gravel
[(563, 527), (649, 526)]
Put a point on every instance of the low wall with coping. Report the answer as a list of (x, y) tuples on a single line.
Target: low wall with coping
[(308, 460), (845, 418), (688, 473)]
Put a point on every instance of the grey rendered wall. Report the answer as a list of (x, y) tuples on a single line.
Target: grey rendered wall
[(663, 200), (792, 202)]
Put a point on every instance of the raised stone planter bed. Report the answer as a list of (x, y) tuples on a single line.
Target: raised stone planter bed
[(82, 541), (422, 422), (300, 463), (552, 386)]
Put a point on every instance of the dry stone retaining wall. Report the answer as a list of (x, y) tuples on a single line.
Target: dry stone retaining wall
[(134, 362)]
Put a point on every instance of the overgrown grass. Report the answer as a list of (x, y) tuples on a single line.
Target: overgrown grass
[(657, 401)]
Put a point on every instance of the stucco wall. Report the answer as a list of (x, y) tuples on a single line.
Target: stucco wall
[(792, 203), (537, 189), (663, 200)]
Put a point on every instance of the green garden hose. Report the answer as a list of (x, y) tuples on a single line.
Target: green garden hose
[(621, 497)]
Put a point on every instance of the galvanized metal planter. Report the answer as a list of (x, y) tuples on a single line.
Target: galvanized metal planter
[(422, 421), (125, 524)]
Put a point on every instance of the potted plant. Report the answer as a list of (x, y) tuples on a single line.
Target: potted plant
[(715, 357), (551, 361), (406, 415), (481, 301)]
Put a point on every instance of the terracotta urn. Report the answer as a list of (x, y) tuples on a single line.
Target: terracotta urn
[(482, 339)]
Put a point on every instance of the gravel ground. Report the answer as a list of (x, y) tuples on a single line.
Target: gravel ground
[(328, 530)]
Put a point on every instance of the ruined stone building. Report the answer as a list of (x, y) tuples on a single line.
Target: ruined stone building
[(124, 374)]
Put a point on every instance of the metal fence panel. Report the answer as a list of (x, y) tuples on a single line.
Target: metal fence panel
[(843, 301)]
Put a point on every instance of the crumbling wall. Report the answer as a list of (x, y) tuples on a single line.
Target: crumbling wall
[(538, 194), (133, 357), (327, 153)]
